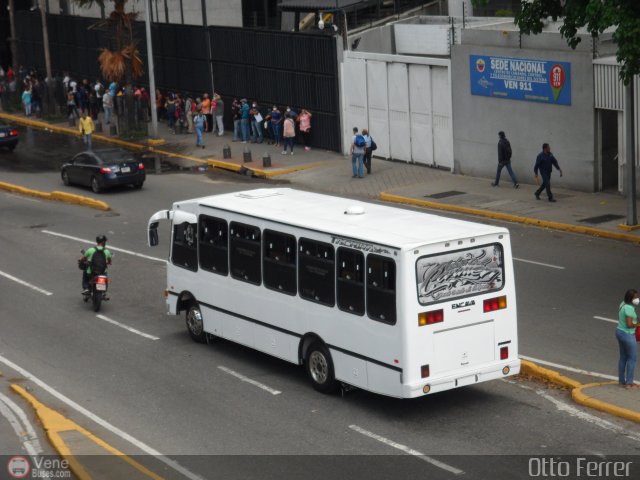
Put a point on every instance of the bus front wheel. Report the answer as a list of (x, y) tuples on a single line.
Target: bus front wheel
[(320, 368), (195, 324)]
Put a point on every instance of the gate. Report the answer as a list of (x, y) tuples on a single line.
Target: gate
[(404, 101)]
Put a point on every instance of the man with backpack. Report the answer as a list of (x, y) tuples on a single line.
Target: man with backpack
[(358, 148), (96, 259), (504, 160)]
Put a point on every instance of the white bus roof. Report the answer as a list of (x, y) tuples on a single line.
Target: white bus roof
[(381, 224)]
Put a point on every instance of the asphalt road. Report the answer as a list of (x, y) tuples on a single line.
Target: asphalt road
[(185, 399)]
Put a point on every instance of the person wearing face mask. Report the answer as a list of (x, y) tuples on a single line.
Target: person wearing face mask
[(276, 125), (256, 123), (625, 333)]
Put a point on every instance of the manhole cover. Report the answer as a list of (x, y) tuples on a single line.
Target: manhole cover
[(450, 193), (601, 218)]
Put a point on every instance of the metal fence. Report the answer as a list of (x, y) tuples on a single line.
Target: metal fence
[(273, 67)]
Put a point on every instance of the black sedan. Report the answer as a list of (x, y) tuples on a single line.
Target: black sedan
[(100, 169), (8, 136)]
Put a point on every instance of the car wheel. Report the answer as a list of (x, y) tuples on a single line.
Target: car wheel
[(319, 367), (12, 148), (65, 178), (138, 185), (95, 186), (195, 324)]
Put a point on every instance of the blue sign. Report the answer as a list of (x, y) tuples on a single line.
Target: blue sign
[(521, 79)]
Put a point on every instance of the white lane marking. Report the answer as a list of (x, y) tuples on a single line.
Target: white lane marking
[(539, 263), (22, 197), (570, 369), (127, 327), (605, 319), (103, 423), (18, 429), (407, 450), (32, 441), (110, 247), (26, 284), (582, 415), (249, 380)]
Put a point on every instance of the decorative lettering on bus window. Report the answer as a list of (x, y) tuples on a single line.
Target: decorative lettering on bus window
[(359, 245), (458, 274), (184, 252)]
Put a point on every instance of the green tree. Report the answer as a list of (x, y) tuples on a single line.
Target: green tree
[(595, 16), (122, 63)]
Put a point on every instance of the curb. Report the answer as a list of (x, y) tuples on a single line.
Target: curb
[(577, 394), (258, 172), (56, 195), (54, 424), (580, 397), (389, 197)]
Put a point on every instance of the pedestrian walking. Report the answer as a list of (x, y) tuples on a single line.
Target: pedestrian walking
[(304, 120), (504, 160), (86, 128), (544, 164), (72, 108), (626, 335), (358, 145), (289, 133), (200, 124), (219, 114), (368, 151)]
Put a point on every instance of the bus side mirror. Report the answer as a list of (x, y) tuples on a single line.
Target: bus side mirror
[(153, 234)]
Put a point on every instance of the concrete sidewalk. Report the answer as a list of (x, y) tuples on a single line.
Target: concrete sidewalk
[(599, 214)]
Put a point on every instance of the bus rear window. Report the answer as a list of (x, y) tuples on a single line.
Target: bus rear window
[(458, 274)]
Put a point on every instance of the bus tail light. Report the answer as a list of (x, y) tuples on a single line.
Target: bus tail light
[(424, 371), (504, 353), (496, 303), (429, 318)]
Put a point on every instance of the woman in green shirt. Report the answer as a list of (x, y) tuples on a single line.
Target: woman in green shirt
[(625, 333)]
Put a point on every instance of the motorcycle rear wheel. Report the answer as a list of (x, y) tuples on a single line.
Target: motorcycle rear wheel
[(97, 300)]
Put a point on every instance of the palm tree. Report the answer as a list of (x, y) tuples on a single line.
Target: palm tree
[(122, 63)]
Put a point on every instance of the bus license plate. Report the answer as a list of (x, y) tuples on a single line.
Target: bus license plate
[(125, 169), (101, 286)]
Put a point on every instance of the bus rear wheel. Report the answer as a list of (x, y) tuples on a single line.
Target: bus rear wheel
[(195, 324), (319, 367)]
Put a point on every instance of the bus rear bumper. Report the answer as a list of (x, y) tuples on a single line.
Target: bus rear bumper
[(492, 371)]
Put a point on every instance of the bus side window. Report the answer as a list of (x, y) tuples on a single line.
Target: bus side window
[(184, 251), (213, 242), (381, 289), (316, 272), (350, 273), (279, 262), (244, 253)]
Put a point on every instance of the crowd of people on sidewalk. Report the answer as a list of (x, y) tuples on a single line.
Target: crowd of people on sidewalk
[(28, 84)]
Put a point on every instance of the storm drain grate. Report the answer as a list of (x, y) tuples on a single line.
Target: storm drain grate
[(601, 218), (450, 193)]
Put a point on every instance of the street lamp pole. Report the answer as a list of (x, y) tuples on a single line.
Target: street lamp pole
[(45, 40), (152, 76), (13, 39), (630, 157)]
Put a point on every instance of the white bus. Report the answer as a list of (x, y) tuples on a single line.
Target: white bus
[(390, 300)]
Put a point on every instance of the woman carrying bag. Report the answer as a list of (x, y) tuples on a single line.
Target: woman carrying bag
[(627, 334)]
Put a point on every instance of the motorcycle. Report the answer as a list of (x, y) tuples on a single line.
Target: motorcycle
[(98, 286)]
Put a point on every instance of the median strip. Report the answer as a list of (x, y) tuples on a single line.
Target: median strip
[(56, 195), (57, 427)]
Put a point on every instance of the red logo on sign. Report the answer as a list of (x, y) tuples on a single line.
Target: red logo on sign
[(480, 65), (557, 76)]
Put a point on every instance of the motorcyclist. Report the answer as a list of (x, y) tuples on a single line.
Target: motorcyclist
[(101, 242)]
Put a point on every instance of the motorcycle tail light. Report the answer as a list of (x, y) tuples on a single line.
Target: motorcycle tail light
[(102, 280)]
